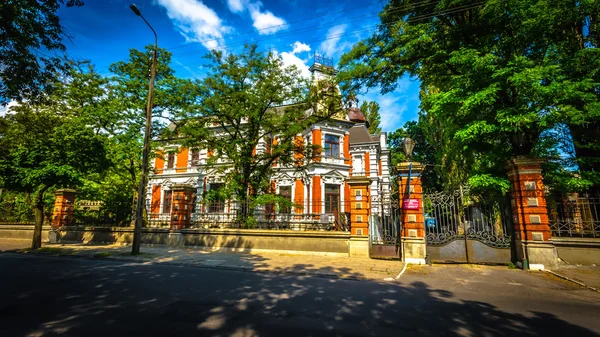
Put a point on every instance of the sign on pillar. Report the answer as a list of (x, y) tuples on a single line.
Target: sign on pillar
[(411, 210), (532, 234), (64, 206)]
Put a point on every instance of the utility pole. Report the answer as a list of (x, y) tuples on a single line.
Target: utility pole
[(139, 210)]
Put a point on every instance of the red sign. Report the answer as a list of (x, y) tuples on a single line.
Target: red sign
[(411, 204)]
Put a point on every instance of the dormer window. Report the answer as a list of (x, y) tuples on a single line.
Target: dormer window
[(332, 146)]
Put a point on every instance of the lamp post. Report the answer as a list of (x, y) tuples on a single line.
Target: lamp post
[(408, 145), (139, 210)]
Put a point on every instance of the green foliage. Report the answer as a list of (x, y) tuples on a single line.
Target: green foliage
[(26, 28), (488, 185), (495, 78), (14, 207), (371, 112)]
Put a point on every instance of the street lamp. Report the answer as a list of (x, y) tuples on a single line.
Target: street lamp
[(408, 145), (139, 210)]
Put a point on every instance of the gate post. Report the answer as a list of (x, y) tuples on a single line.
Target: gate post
[(62, 214), (359, 216), (411, 210), (533, 237), (182, 206)]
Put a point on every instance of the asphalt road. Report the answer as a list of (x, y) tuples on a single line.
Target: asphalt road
[(46, 296)]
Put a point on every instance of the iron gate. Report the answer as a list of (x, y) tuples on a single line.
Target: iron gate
[(384, 229), (463, 228)]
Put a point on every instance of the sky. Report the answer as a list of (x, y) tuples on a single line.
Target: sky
[(103, 31)]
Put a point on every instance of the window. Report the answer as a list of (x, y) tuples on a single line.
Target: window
[(170, 160), (286, 193), (167, 199), (269, 143), (332, 145), (332, 198), (195, 157), (216, 201)]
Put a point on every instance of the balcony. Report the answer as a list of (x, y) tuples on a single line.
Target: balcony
[(336, 160)]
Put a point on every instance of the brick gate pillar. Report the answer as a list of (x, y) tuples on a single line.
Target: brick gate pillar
[(64, 205), (181, 213), (411, 214), (532, 235), (360, 207)]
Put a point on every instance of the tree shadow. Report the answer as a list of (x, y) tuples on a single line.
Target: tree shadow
[(70, 297)]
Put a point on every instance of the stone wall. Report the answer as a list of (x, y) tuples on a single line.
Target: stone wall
[(246, 240), (585, 251), (21, 232)]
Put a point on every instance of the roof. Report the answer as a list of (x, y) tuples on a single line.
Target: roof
[(359, 134), (355, 115)]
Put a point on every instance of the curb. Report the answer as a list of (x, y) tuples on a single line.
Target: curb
[(230, 268), (581, 284)]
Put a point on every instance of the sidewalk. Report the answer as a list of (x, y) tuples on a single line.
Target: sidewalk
[(588, 275), (323, 266)]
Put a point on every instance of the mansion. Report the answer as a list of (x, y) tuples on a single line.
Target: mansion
[(352, 169)]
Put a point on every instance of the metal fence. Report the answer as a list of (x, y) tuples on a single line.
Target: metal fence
[(574, 215), (330, 215), (96, 213), (453, 215)]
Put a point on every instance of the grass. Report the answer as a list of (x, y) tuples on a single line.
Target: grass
[(511, 265), (49, 250)]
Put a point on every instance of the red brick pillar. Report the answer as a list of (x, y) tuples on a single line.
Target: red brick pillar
[(182, 205), (533, 238), (359, 215), (411, 206), (62, 215)]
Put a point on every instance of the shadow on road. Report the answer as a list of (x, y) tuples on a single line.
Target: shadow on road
[(69, 297)]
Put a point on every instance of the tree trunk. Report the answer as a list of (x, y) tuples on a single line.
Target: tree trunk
[(39, 221)]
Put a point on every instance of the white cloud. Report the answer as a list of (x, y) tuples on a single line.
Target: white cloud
[(7, 109), (265, 22), (330, 46), (196, 21), (300, 47), (290, 58), (236, 6)]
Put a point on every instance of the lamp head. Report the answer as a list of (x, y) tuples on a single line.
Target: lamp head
[(135, 10), (408, 145)]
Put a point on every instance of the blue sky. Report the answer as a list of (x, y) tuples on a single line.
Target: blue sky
[(104, 31)]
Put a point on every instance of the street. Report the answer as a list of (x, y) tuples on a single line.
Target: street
[(58, 296)]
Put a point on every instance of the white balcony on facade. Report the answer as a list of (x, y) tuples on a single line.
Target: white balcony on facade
[(337, 160)]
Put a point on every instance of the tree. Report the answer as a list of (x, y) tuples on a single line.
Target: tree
[(252, 99), (495, 76), (29, 31), (371, 112), (125, 120), (43, 148)]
